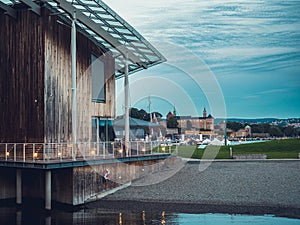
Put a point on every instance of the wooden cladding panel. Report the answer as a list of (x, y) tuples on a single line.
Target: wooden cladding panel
[(21, 78), (35, 80), (58, 83)]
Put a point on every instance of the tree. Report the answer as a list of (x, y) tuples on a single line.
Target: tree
[(289, 131), (257, 128), (172, 122), (144, 115), (235, 126), (139, 114), (275, 131), (266, 128), (134, 113)]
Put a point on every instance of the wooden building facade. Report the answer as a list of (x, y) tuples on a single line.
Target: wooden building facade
[(36, 68), (35, 80), (37, 138)]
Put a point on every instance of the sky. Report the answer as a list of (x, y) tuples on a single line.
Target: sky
[(236, 58)]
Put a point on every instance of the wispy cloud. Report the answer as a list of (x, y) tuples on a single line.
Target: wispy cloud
[(274, 91), (240, 40), (266, 93), (251, 97)]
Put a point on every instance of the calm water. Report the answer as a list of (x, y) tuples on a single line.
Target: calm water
[(11, 216)]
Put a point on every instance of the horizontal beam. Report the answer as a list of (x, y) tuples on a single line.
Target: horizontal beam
[(8, 10), (40, 165), (33, 7)]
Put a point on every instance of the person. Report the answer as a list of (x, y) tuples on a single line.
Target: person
[(123, 147), (106, 178)]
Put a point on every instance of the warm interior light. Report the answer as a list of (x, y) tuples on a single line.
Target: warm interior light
[(7, 154), (120, 218), (163, 221), (92, 152), (163, 149), (35, 155), (59, 154), (120, 151)]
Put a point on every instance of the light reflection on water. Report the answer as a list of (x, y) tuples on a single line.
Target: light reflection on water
[(12, 216)]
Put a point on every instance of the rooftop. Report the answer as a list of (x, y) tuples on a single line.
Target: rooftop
[(102, 25)]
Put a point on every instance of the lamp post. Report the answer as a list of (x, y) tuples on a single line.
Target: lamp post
[(225, 132), (126, 119)]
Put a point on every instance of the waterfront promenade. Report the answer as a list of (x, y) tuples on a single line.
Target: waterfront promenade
[(260, 186)]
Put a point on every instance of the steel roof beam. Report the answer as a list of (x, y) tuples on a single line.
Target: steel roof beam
[(69, 8), (113, 30), (33, 7), (8, 10)]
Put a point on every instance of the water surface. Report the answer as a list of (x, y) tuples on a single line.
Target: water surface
[(97, 216)]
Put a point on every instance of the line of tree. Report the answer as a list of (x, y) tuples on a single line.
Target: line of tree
[(273, 130), (172, 122), (141, 114)]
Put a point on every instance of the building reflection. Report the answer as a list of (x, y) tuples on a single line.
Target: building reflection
[(144, 217), (163, 221), (120, 219), (14, 216)]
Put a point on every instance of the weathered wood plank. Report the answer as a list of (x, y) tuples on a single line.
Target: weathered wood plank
[(20, 76), (35, 80)]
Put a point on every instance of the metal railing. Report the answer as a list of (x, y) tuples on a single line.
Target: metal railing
[(37, 152)]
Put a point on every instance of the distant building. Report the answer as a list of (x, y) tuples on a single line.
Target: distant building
[(169, 115), (202, 123), (244, 132), (247, 130), (204, 113), (139, 129), (195, 124)]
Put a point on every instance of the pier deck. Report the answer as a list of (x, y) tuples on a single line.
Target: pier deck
[(72, 174)]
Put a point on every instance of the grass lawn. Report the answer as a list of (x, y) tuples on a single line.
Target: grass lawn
[(277, 149)]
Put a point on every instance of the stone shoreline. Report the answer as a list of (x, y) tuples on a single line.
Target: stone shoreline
[(251, 187)]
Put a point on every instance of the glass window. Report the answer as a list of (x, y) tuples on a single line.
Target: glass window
[(102, 129), (98, 80), (94, 129)]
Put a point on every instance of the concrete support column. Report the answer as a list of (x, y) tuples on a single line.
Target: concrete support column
[(19, 187), (126, 119), (48, 220), (19, 217), (48, 190)]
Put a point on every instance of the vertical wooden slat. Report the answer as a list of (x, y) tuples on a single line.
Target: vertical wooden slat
[(20, 72), (35, 80)]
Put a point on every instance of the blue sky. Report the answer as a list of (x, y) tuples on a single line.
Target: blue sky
[(249, 49)]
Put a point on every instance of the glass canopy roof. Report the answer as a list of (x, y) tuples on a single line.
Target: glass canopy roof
[(105, 27)]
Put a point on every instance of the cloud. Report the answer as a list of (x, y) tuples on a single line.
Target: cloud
[(251, 97), (274, 91), (266, 93), (253, 46)]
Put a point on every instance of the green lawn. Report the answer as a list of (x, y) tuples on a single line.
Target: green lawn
[(277, 149)]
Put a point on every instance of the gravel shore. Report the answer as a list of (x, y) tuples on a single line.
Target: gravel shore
[(235, 187)]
